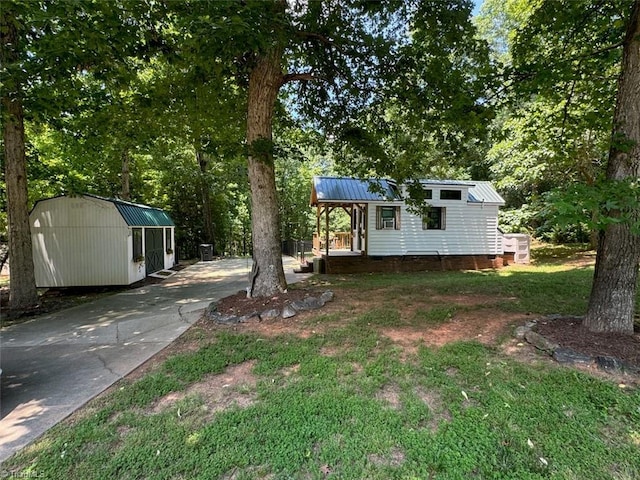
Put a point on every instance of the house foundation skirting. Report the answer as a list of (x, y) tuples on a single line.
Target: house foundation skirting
[(409, 263)]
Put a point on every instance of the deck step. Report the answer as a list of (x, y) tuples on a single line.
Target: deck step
[(304, 268)]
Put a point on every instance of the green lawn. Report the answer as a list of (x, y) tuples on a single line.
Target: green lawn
[(347, 403)]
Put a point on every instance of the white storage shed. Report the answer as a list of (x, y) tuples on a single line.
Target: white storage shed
[(88, 240)]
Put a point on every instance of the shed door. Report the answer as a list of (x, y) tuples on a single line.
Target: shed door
[(153, 249)]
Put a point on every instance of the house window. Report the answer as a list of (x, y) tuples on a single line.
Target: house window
[(450, 194), (428, 194), (434, 219), (388, 218), (167, 240), (137, 244)]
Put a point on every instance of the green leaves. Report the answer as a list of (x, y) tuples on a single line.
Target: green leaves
[(606, 202)]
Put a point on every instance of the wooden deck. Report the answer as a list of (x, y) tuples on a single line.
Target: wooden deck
[(342, 253)]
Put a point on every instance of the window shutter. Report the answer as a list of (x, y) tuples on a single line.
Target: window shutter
[(397, 218)]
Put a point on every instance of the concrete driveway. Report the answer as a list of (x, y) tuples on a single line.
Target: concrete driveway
[(54, 364)]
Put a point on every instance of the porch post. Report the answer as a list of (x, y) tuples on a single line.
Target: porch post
[(318, 213), (365, 225), (326, 210), (351, 227)]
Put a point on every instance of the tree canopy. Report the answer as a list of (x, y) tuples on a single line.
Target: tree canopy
[(221, 111)]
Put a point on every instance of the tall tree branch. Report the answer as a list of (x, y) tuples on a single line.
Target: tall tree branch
[(315, 36), (301, 76)]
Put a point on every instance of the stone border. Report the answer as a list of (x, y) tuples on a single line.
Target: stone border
[(289, 310), (569, 356)]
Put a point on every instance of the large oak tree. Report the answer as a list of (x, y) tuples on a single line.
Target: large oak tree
[(334, 53), (47, 47), (570, 53), (613, 294)]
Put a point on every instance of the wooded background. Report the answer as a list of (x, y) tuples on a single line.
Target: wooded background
[(192, 106)]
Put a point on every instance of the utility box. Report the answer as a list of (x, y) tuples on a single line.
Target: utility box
[(518, 244), (206, 252)]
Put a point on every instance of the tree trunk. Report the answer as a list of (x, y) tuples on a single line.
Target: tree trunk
[(126, 176), (265, 80), (22, 286), (207, 215), (594, 234), (613, 294)]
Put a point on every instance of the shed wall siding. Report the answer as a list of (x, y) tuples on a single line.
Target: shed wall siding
[(470, 229), (137, 270), (79, 241), (170, 258)]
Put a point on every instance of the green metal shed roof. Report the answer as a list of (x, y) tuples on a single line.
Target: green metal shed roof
[(137, 215)]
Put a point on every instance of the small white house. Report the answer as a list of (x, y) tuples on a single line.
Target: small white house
[(460, 229), (88, 240)]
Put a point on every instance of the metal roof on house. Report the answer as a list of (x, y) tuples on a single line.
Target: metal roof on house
[(464, 183), (483, 192), (137, 215), (343, 189)]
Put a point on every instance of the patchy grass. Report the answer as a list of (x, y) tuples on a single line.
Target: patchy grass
[(552, 253), (462, 411), (347, 401), (532, 289), (435, 315)]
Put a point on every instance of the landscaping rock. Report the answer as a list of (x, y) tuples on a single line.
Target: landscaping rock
[(327, 296), (609, 363), (213, 307), (288, 311), (566, 355), (225, 319), (309, 303), (521, 331), (273, 313), (246, 318), (298, 305), (540, 342)]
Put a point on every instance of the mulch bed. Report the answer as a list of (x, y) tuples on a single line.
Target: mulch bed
[(569, 333), (239, 305)]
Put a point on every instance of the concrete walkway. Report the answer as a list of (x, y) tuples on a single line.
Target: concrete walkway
[(54, 364)]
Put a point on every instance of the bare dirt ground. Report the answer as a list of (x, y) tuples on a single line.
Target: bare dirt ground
[(482, 323)]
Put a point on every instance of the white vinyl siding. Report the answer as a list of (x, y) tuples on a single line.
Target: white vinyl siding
[(471, 229), (79, 241)]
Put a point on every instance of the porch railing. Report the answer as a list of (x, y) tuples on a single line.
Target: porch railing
[(337, 241)]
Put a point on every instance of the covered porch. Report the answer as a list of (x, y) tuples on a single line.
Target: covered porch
[(329, 243), (350, 195)]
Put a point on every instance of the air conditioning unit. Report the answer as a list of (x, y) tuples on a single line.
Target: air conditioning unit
[(388, 224)]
